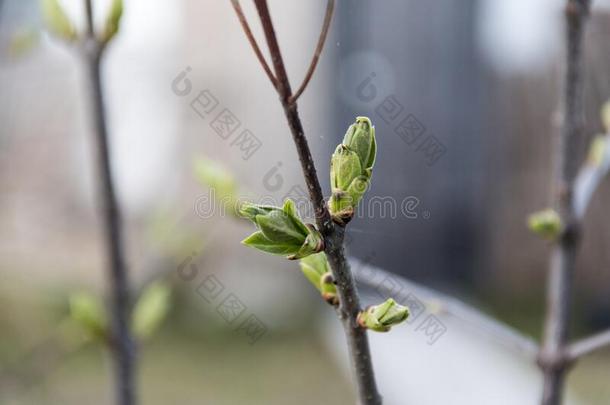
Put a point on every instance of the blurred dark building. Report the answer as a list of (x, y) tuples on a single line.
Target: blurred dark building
[(413, 68)]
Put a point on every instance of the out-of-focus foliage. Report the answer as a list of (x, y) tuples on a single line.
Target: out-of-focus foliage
[(56, 20), (23, 41), (151, 309), (545, 223), (220, 181), (113, 20), (87, 311)]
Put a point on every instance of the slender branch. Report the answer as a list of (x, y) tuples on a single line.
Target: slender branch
[(284, 91), (552, 359), (588, 345), (443, 304), (244, 23), (121, 342), (357, 338), (330, 6), (89, 18)]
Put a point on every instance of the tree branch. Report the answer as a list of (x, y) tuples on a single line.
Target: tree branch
[(261, 58), (330, 6), (89, 18), (333, 235), (443, 304), (588, 345), (551, 359), (122, 342)]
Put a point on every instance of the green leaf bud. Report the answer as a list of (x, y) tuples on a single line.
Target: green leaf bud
[(344, 167), (545, 223), (329, 289), (382, 317), (360, 137), (351, 168)]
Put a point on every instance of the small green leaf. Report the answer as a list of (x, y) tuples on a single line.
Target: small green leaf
[(279, 227), (113, 20), (281, 231), (88, 312), (290, 209), (250, 211), (151, 309), (258, 241), (56, 20)]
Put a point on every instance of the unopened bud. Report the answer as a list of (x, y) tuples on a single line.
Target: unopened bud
[(545, 223), (351, 168), (382, 317), (360, 137)]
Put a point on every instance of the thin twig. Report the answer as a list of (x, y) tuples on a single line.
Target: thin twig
[(357, 338), (330, 6), (122, 344), (552, 359), (442, 304), (89, 18), (588, 345), (261, 58)]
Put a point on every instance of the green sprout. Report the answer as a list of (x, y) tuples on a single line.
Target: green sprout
[(281, 231), (351, 168), (382, 317)]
